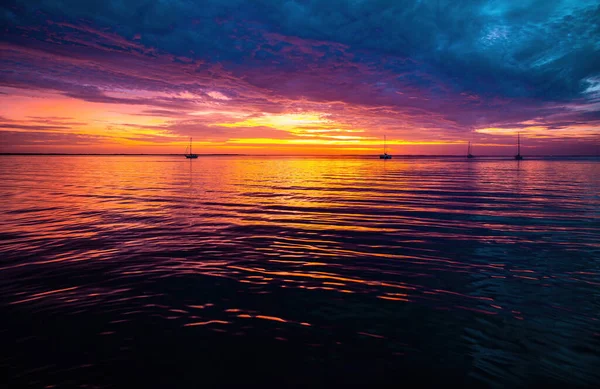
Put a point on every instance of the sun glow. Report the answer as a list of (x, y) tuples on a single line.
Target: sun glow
[(283, 122)]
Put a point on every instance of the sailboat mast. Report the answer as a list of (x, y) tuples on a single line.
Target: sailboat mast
[(469, 148), (519, 143), (190, 145), (384, 144)]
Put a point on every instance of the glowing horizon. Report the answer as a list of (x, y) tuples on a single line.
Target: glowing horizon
[(239, 81)]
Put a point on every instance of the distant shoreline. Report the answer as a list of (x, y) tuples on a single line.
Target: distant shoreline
[(291, 155), (117, 154)]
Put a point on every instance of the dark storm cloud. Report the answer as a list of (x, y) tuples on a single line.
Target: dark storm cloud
[(527, 48)]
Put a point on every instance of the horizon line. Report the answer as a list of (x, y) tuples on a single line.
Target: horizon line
[(294, 155)]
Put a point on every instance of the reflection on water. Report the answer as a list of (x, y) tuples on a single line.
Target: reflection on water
[(160, 271)]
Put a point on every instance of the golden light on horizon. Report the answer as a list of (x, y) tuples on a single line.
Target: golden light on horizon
[(124, 128), (282, 122)]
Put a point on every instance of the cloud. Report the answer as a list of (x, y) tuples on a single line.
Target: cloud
[(421, 70), (36, 138)]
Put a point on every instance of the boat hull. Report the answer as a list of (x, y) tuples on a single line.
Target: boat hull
[(192, 156), (385, 156)]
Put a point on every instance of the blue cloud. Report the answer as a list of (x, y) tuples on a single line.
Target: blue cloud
[(543, 49)]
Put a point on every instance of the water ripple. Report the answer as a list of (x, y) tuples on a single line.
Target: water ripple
[(486, 271)]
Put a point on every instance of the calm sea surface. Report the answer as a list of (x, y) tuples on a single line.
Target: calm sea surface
[(156, 271)]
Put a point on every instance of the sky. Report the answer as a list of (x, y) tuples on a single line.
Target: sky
[(300, 77)]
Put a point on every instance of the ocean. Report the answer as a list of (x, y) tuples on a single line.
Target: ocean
[(157, 271)]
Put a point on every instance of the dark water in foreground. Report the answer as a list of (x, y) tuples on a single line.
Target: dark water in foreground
[(164, 272)]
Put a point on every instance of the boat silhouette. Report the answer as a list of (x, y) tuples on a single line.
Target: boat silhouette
[(190, 155), (519, 157), (385, 155), (469, 155)]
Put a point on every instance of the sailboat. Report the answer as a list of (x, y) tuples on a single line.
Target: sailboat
[(385, 155), (190, 155), (519, 157), (469, 155)]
